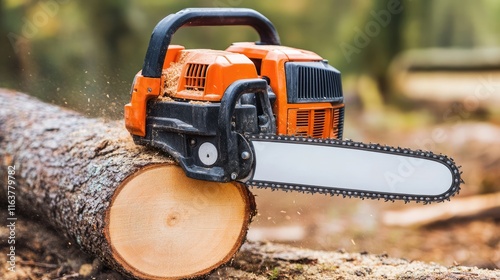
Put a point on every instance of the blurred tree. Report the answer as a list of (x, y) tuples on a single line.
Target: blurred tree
[(7, 59), (85, 54), (116, 42), (14, 49), (446, 24), (383, 32)]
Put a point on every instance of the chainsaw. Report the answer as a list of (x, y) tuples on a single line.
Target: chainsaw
[(267, 116)]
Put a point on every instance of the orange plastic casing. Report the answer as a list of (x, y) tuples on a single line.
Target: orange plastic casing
[(143, 89), (207, 73), (272, 61), (204, 76)]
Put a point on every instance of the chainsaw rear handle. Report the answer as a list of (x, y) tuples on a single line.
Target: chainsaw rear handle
[(162, 33)]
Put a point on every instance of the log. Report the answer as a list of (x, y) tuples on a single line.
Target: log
[(275, 261), (130, 206), (459, 208)]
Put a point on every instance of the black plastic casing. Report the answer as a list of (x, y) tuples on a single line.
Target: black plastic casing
[(180, 128)]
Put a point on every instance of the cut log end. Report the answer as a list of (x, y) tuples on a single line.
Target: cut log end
[(162, 224)]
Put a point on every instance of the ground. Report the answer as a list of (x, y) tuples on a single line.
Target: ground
[(335, 223), (43, 254)]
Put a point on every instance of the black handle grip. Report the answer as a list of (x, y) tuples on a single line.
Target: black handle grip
[(162, 34)]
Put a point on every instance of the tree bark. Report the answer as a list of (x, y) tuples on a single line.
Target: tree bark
[(130, 206)]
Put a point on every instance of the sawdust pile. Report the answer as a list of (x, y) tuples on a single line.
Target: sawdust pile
[(196, 102), (172, 74)]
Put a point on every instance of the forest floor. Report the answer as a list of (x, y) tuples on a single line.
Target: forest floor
[(333, 224), (43, 254)]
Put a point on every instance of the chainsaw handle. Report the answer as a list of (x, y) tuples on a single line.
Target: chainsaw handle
[(162, 33), (230, 159)]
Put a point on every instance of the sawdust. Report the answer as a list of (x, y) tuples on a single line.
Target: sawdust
[(166, 98), (171, 77), (196, 102), (172, 74)]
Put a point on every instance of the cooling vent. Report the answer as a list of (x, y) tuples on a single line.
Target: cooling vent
[(308, 123), (195, 77), (338, 122), (312, 82), (319, 123), (302, 123)]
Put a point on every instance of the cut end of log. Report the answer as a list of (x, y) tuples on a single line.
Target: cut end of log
[(162, 224)]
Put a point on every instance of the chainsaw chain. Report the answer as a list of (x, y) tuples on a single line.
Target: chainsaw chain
[(453, 190)]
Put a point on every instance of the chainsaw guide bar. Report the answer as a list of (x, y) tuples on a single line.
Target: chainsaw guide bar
[(405, 153)]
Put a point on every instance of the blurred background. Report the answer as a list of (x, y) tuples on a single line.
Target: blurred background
[(423, 74)]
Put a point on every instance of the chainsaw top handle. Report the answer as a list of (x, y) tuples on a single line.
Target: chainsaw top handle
[(162, 34)]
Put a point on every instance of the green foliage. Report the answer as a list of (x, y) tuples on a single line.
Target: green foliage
[(84, 54)]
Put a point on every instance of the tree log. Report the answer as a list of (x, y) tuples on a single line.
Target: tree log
[(460, 208), (130, 206)]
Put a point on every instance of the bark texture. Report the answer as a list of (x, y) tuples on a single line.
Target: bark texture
[(67, 168)]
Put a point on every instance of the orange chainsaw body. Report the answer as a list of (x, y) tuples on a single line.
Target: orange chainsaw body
[(198, 105), (205, 74)]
